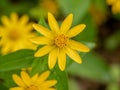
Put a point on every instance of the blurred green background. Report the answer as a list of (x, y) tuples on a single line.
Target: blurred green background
[(100, 69)]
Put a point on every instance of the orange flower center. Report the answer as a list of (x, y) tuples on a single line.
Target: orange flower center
[(61, 40), (14, 35), (32, 88)]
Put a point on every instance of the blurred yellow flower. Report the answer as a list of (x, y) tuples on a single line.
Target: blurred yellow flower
[(37, 82), (110, 2), (115, 5), (15, 33), (58, 41), (27, 69), (50, 6)]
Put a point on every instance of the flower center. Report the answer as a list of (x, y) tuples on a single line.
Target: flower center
[(61, 40), (13, 35), (32, 88)]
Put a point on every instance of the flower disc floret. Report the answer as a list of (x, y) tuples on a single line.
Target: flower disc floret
[(61, 41)]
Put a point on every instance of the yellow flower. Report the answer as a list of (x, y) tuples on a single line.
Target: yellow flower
[(27, 69), (58, 41), (50, 6), (15, 33), (110, 2), (115, 5), (37, 82)]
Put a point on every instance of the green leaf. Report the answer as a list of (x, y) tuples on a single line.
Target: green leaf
[(43, 22), (113, 86), (39, 65), (78, 7), (113, 42), (100, 4), (93, 67), (115, 72), (61, 77), (2, 87), (73, 85), (16, 60)]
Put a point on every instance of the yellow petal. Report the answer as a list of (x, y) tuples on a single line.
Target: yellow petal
[(6, 48), (48, 83), (78, 46), (1, 31), (52, 58), (17, 45), (73, 55), (42, 77), (28, 28), (65, 26), (25, 77), (23, 20), (34, 78), (50, 89), (44, 88), (17, 88), (18, 80), (61, 60), (43, 51), (44, 31), (110, 2), (14, 17), (76, 30), (40, 40), (5, 20), (53, 23)]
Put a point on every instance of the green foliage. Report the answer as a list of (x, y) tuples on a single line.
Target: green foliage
[(79, 8), (73, 85), (16, 60), (61, 77), (93, 67), (113, 42), (2, 87)]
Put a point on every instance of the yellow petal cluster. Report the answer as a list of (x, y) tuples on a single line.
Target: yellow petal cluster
[(115, 5), (36, 82), (58, 41), (15, 33)]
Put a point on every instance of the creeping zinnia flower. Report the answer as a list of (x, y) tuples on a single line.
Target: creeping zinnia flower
[(58, 41), (15, 34), (49, 5), (115, 5), (37, 82)]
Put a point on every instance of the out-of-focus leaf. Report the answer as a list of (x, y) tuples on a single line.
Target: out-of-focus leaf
[(2, 87), (115, 72), (113, 86), (100, 4), (113, 42), (73, 85), (78, 7), (16, 60), (93, 67)]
